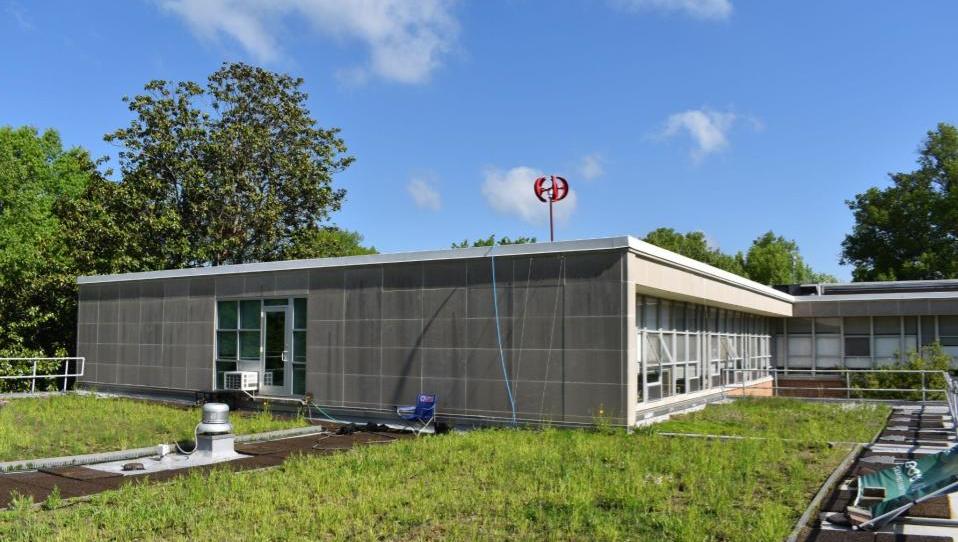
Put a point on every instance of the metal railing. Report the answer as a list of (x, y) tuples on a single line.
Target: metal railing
[(949, 391), (66, 375)]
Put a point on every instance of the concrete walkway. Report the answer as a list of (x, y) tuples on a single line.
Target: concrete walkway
[(78, 481), (911, 432)]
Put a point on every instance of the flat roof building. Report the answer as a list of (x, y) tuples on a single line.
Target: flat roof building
[(561, 333)]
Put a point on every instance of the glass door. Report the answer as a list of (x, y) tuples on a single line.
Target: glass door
[(276, 358)]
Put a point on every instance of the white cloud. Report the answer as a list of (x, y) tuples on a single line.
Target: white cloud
[(424, 195), (511, 192), (407, 40), (708, 129), (592, 166), (701, 9)]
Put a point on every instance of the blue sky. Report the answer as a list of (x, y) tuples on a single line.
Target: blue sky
[(728, 116)]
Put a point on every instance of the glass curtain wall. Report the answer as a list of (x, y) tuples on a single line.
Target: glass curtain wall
[(687, 347), (860, 342)]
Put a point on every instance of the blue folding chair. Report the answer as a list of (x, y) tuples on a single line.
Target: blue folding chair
[(423, 413)]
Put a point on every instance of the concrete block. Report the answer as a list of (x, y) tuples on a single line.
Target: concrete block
[(399, 391), (202, 287), (404, 276), (200, 309), (325, 305), (88, 292), (327, 389), (259, 284), (480, 304), (363, 303), (593, 298), (151, 333), (406, 362), (326, 279), (362, 390), (593, 332), (87, 312), (594, 266), (593, 366), (108, 333), (129, 310), (366, 333), (176, 287), (445, 274), (444, 333), (482, 333), (479, 271), (583, 402), (324, 359), (362, 361), (229, 286), (444, 363), (444, 303), (402, 332), (451, 394), (176, 309), (359, 278), (324, 334), (402, 304), (291, 283), (199, 379), (106, 373), (128, 333)]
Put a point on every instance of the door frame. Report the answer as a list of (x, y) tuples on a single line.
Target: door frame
[(287, 386)]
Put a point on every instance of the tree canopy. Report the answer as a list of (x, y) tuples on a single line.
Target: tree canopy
[(909, 230), (771, 259), (232, 171), (37, 175), (492, 241)]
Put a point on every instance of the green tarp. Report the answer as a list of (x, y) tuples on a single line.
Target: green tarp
[(911, 480)]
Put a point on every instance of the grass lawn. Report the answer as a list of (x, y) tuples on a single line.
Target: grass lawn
[(491, 484), (32, 428), (783, 418)]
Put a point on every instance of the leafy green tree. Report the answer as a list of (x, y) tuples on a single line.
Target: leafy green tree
[(37, 290), (694, 245), (909, 230), (491, 241), (229, 172), (775, 260), (326, 242), (930, 358)]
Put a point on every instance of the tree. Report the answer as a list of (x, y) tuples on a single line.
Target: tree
[(326, 242), (775, 260), (909, 230), (694, 245), (491, 241), (231, 172), (37, 286)]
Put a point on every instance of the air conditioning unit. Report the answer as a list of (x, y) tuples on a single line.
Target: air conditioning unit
[(241, 380)]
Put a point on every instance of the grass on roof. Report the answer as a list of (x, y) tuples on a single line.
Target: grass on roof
[(59, 425), (783, 418), (494, 484)]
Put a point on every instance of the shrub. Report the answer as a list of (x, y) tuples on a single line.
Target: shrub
[(25, 368), (930, 358)]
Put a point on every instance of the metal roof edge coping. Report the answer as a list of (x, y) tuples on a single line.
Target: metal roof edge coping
[(694, 266), (582, 245)]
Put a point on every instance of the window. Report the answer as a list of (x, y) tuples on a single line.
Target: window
[(237, 335), (858, 347), (299, 346)]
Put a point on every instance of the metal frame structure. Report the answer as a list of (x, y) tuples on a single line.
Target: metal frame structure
[(688, 352), (33, 376)]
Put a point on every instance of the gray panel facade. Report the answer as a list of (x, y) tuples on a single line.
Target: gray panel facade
[(379, 334)]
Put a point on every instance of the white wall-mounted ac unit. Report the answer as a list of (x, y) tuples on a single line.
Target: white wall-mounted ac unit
[(241, 380)]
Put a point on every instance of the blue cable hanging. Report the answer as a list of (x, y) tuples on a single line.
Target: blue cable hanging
[(502, 356)]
